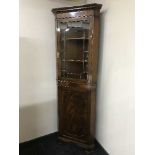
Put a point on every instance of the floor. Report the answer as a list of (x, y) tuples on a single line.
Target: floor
[(50, 145)]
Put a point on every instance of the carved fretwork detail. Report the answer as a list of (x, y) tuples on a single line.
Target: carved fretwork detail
[(63, 83)]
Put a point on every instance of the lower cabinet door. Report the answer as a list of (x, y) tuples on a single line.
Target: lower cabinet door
[(74, 114)]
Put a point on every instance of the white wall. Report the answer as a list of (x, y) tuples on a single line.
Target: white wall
[(38, 93), (115, 101)]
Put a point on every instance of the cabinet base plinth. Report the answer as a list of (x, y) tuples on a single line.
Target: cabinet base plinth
[(88, 147)]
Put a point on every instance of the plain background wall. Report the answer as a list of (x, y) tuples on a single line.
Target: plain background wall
[(38, 93), (115, 100)]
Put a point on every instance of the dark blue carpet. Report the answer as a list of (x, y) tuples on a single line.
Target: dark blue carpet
[(50, 145)]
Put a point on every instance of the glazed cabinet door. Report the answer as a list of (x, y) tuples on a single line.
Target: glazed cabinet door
[(74, 114), (74, 43)]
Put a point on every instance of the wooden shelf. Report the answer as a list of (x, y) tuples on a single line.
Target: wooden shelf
[(82, 38), (79, 75), (75, 60), (74, 73)]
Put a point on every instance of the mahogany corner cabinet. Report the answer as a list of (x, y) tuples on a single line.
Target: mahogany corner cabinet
[(77, 39)]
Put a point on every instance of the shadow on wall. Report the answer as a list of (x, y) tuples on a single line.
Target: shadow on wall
[(101, 43), (36, 120), (100, 106), (38, 104)]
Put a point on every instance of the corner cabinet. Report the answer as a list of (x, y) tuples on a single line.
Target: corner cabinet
[(77, 38)]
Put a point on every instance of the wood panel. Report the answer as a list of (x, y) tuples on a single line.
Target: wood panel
[(75, 112)]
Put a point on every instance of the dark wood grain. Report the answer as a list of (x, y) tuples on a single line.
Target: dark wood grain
[(92, 6), (77, 97)]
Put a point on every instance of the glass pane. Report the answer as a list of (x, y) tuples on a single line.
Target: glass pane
[(74, 39)]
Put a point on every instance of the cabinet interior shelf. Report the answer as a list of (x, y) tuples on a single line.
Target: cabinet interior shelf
[(75, 60), (84, 72), (70, 74), (82, 38), (62, 51)]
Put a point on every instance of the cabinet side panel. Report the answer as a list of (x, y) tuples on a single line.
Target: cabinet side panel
[(58, 49), (60, 127), (92, 114), (95, 48)]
